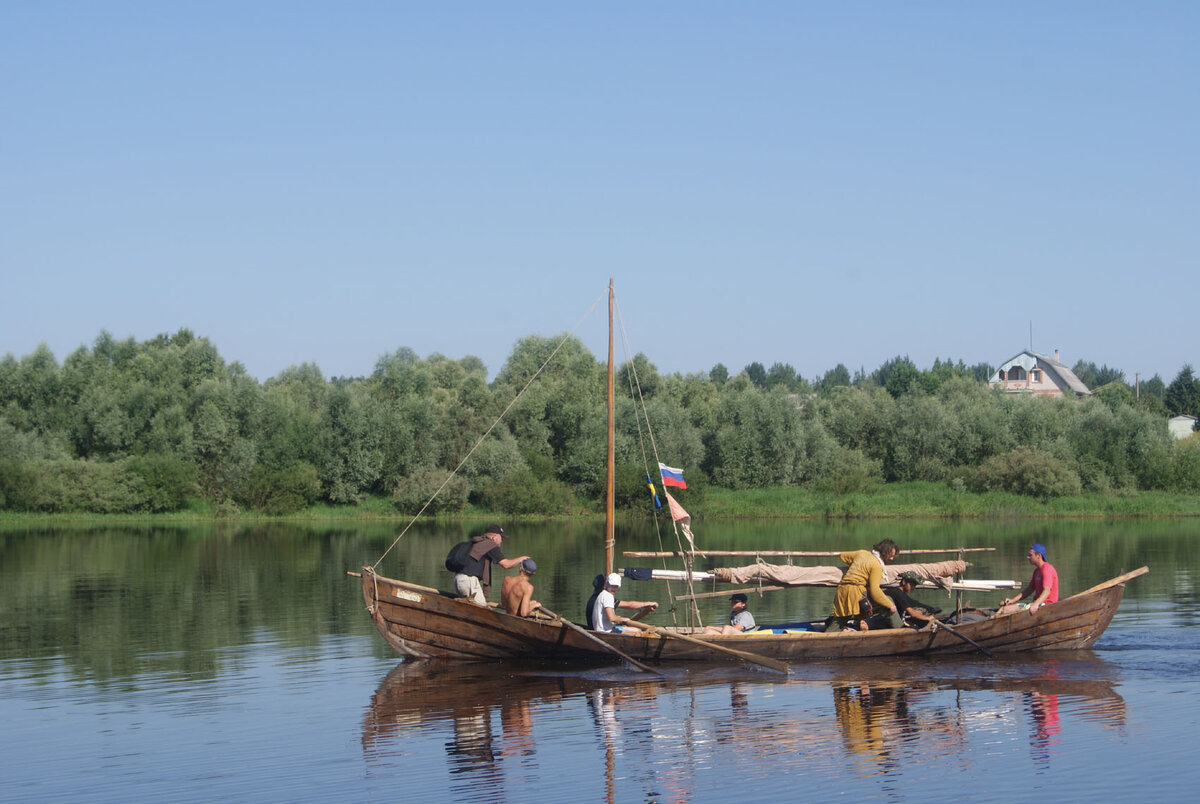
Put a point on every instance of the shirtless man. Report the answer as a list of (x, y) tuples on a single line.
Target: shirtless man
[(516, 591)]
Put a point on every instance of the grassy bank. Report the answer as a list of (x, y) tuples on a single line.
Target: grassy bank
[(936, 500), (897, 500)]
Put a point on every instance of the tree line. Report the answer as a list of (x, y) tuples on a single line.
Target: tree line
[(155, 426)]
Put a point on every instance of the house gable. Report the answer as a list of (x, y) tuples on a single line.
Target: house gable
[(1032, 373)]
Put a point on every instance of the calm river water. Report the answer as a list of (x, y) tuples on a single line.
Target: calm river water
[(207, 664)]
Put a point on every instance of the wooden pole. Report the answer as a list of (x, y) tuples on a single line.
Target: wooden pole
[(610, 541), (586, 633), (784, 553), (773, 664), (728, 592), (963, 637)]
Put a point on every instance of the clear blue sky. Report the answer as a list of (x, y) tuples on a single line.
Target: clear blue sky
[(806, 183)]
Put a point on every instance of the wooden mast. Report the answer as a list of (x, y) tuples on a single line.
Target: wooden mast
[(610, 541)]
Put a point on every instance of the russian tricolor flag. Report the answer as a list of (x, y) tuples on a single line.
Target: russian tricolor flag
[(671, 476)]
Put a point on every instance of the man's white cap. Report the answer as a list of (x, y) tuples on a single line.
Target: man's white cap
[(614, 579)]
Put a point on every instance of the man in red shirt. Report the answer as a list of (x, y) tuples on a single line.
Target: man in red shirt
[(1043, 586)]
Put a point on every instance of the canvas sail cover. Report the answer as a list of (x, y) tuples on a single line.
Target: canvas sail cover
[(788, 575)]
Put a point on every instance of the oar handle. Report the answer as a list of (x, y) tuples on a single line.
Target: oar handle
[(964, 637), (753, 658), (589, 635)]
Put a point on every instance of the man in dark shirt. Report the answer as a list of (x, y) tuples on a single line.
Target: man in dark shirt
[(475, 579), (914, 613)]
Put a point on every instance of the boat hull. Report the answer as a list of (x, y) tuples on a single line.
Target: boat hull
[(423, 623)]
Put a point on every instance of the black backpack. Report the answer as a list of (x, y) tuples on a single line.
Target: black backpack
[(456, 559)]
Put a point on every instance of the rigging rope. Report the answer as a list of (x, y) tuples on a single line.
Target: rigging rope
[(491, 427), (638, 397), (640, 413)]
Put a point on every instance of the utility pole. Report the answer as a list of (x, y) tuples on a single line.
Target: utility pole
[(1137, 385)]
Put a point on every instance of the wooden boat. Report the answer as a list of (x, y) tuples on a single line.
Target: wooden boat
[(424, 623)]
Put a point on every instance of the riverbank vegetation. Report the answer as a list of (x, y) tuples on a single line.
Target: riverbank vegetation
[(166, 426)]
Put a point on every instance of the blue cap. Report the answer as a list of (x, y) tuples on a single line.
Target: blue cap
[(1039, 549), (529, 566)]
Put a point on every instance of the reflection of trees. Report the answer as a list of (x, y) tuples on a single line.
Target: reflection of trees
[(113, 603)]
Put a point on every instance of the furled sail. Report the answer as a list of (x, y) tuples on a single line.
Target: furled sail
[(788, 575)]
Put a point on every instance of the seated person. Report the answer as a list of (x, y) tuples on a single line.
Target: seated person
[(1042, 587), (867, 618), (604, 615), (740, 619), (516, 592), (589, 608)]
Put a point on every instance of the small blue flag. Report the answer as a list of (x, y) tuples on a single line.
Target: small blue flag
[(653, 492)]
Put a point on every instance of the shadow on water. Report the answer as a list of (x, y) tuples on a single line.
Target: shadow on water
[(865, 718)]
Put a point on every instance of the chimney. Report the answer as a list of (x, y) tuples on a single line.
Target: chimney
[(1056, 360)]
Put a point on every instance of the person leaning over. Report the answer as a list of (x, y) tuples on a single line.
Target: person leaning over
[(604, 615), (913, 612), (740, 619), (516, 591), (863, 576), (474, 581), (1043, 586)]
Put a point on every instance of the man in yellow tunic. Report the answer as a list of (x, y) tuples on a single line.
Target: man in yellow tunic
[(862, 577)]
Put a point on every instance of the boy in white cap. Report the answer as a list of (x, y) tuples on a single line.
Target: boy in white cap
[(604, 613)]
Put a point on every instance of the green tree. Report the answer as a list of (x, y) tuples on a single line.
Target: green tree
[(1183, 394), (757, 441), (781, 375), (1093, 376), (942, 372), (982, 372), (897, 375), (1152, 387), (639, 374), (921, 443), (562, 415), (1029, 471), (757, 374), (351, 456), (837, 376)]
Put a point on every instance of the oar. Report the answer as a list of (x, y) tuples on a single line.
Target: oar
[(586, 633), (773, 664), (963, 637)]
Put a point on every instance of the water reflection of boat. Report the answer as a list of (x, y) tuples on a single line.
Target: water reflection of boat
[(414, 692), (883, 715)]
